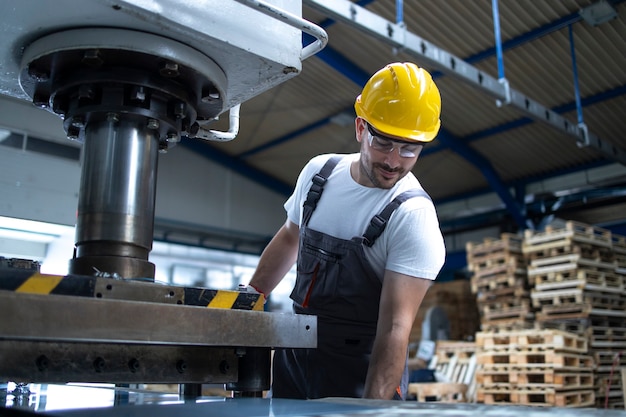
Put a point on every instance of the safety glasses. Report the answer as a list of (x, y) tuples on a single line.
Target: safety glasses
[(387, 145)]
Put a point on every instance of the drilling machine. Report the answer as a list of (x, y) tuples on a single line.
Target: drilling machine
[(130, 79)]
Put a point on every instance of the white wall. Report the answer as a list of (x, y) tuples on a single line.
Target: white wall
[(190, 188)]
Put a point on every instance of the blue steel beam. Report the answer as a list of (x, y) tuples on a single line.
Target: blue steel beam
[(485, 167)]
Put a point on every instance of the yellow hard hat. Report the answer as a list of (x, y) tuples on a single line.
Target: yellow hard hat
[(401, 100)]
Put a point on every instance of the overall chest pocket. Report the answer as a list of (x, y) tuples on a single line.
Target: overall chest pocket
[(319, 271)]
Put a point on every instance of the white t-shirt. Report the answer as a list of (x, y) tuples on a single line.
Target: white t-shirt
[(412, 242)]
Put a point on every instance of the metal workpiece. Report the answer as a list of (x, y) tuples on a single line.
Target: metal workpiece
[(62, 338), (29, 281), (78, 319)]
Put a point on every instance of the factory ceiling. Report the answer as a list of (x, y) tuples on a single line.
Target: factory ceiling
[(533, 106)]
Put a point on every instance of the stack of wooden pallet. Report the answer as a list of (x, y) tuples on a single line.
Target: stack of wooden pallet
[(573, 272), (578, 283), (499, 280), (534, 367)]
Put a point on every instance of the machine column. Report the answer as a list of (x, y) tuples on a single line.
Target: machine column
[(114, 229)]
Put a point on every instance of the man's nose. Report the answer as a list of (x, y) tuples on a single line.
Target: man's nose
[(393, 158)]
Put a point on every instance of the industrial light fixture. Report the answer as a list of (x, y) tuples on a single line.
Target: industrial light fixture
[(4, 133), (598, 13)]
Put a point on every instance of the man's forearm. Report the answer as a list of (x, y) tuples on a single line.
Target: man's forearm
[(277, 259), (386, 366)]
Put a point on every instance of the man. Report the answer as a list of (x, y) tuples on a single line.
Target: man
[(363, 276)]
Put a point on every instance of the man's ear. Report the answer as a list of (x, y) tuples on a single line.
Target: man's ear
[(360, 126)]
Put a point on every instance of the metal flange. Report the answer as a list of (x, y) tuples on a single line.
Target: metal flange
[(85, 75)]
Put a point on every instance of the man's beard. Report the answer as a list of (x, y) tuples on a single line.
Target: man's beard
[(373, 174)]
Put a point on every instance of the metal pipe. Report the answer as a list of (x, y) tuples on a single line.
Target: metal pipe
[(399, 12), (219, 136), (117, 198), (498, 38)]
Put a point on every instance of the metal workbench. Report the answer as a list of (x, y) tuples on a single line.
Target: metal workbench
[(135, 403)]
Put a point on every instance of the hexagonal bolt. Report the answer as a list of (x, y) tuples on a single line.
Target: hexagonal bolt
[(179, 109), (210, 94), (38, 74), (41, 100), (73, 133), (138, 93), (59, 106), (172, 138), (85, 91), (152, 124), (78, 121), (93, 58), (113, 117), (169, 69)]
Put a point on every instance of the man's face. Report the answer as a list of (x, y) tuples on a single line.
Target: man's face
[(379, 166)]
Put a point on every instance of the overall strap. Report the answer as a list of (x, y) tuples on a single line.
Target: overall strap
[(379, 222), (315, 192)]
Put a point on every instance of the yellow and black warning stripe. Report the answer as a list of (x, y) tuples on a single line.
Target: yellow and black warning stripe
[(224, 299), (38, 283), (24, 281)]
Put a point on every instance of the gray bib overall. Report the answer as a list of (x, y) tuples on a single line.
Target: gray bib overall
[(336, 283)]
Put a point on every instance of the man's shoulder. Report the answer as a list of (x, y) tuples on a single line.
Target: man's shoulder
[(316, 163), (320, 160)]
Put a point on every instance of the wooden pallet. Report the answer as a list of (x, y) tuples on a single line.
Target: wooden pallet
[(619, 251), (507, 243), (494, 262), (512, 312), (570, 233), (507, 325), (606, 334), (577, 299), (557, 340), (569, 247), (547, 378), (578, 327), (510, 267), (546, 398), (548, 359), (608, 281), (505, 280), (567, 263), (606, 360)]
